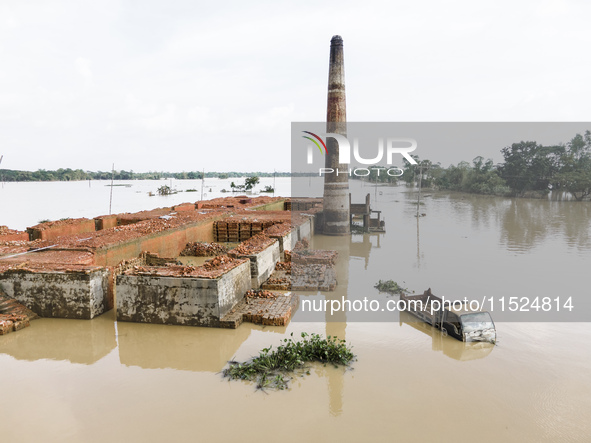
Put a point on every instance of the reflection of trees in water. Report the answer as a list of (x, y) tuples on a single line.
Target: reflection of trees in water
[(577, 224), (526, 223), (486, 210), (481, 210), (465, 207)]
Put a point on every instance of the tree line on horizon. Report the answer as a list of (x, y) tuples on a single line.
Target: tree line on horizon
[(530, 169), (10, 175)]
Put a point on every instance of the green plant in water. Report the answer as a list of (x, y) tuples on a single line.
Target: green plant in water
[(164, 190), (390, 286), (271, 367)]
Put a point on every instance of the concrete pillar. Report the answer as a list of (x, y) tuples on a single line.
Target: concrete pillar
[(336, 187)]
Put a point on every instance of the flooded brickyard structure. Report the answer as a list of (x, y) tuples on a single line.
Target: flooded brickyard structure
[(149, 381), (73, 268), (136, 325)]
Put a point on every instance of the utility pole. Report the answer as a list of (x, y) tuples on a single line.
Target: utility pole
[(420, 180), (202, 183), (112, 177)]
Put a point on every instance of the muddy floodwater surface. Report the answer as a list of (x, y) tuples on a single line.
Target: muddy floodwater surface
[(102, 380)]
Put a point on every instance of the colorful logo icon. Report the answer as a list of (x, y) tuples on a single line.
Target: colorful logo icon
[(315, 142)]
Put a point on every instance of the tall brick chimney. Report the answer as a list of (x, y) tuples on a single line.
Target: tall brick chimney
[(336, 187)]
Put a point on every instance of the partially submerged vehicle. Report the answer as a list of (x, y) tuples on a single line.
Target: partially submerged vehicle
[(463, 324), (450, 347)]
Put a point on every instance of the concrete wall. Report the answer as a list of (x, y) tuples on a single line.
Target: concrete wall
[(318, 222), (263, 263), (180, 300), (81, 295), (306, 229), (287, 241)]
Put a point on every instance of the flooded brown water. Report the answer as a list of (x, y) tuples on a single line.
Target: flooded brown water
[(70, 380)]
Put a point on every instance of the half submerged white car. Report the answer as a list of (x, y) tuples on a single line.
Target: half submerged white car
[(463, 324)]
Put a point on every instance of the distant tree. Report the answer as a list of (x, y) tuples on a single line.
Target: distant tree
[(164, 190), (530, 166), (236, 187), (379, 174), (251, 182), (426, 170), (480, 178), (410, 171), (575, 174), (124, 175), (483, 178)]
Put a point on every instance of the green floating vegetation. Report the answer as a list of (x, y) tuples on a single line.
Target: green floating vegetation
[(390, 286), (166, 190), (271, 368)]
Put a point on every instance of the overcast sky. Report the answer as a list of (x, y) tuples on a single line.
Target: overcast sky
[(187, 85)]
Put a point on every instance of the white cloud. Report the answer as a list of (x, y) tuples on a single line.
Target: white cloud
[(83, 68), (9, 21)]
